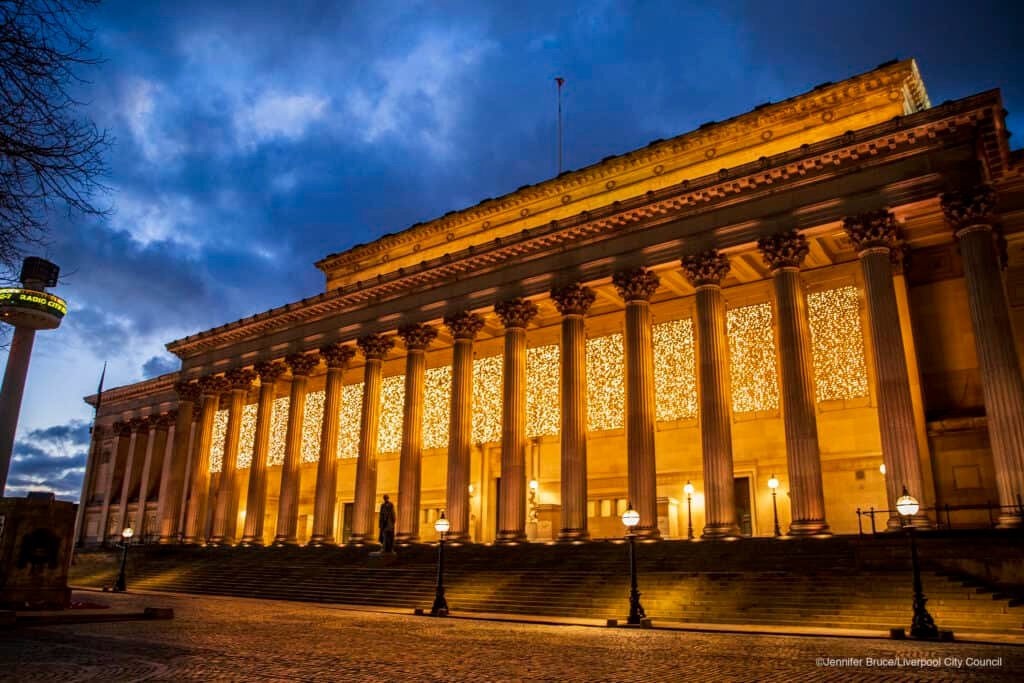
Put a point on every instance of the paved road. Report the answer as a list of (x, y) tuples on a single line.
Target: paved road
[(227, 639)]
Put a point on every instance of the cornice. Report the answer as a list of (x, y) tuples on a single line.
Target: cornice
[(898, 136), (143, 389), (900, 77)]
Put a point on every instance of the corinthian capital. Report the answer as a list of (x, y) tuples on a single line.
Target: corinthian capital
[(636, 284), (301, 364), (516, 312), (187, 391), (784, 250), (270, 371), (212, 385), (375, 346), (969, 207), (122, 428), (417, 337), (240, 379), (706, 268), (139, 424), (463, 325), (166, 420), (337, 355), (873, 230), (573, 299)]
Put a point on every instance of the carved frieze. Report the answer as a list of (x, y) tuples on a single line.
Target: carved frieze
[(783, 250), (417, 337), (706, 268), (464, 325), (636, 284), (573, 299), (516, 312)]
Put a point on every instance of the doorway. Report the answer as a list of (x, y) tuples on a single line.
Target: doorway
[(346, 524), (741, 496)]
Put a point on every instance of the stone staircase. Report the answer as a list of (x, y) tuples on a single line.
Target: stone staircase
[(843, 582)]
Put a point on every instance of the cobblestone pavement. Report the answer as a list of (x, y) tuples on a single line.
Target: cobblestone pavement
[(226, 639)]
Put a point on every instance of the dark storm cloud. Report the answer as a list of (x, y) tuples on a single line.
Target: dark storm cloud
[(50, 459), (159, 365)]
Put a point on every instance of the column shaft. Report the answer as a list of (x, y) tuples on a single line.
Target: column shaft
[(119, 455), (798, 408), (169, 521), (195, 521), (460, 438), (639, 351), (409, 468), (256, 498), (512, 515), (225, 515), (363, 521), (141, 529), (327, 467), (574, 429), (291, 471), (132, 465)]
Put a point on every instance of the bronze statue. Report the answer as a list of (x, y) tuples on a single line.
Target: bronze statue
[(386, 522)]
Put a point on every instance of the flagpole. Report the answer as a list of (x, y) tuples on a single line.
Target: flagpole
[(90, 467), (559, 81)]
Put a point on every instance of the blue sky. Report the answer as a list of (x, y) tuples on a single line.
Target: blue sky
[(252, 138)]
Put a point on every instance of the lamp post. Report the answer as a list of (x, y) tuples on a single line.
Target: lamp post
[(126, 537), (688, 489), (636, 611), (440, 608), (922, 626), (773, 484)]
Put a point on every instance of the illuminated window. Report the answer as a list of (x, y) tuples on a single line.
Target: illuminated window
[(753, 371), (837, 344), (312, 426), (278, 431), (543, 403), (392, 399), (348, 422), (220, 430), (675, 379), (437, 397), (487, 385), (248, 437), (606, 384)]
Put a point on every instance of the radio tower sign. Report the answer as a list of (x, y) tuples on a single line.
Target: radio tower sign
[(27, 308)]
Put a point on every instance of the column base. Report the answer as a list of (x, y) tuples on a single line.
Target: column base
[(459, 538), (221, 541), (573, 536), (407, 539), (169, 540), (359, 540), (721, 532), (1008, 520), (513, 537), (320, 541), (251, 542), (285, 542), (810, 527), (192, 540), (647, 533)]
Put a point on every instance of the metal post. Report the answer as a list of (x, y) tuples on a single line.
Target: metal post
[(120, 586), (689, 517), (873, 531), (440, 608), (775, 514), (923, 626), (636, 610), (991, 522), (949, 523), (860, 525)]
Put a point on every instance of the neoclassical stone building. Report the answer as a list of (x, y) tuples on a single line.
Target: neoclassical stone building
[(810, 290)]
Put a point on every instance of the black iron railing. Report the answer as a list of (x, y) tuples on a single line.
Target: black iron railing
[(946, 516)]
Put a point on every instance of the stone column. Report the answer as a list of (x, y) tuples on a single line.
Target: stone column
[(784, 253), (337, 357), (417, 338), (636, 286), (124, 433), (164, 475), (970, 212), (158, 426), (211, 387), (573, 301), (515, 315), (705, 272), (877, 239), (225, 514), (256, 497), (188, 395), (133, 465), (464, 327), (364, 526), (291, 471), (88, 482)]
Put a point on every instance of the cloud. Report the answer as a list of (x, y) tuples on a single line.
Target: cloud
[(276, 115), (160, 365), (143, 104), (50, 459)]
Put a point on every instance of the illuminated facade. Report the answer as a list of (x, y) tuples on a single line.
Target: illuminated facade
[(812, 289)]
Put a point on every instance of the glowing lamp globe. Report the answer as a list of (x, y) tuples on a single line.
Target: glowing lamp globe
[(773, 483), (907, 505), (127, 533), (441, 526), (688, 489), (881, 468), (630, 517), (534, 485)]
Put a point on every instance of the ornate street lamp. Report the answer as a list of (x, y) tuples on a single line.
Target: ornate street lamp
[(923, 626), (636, 611), (688, 489), (773, 484), (126, 537), (440, 608)]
